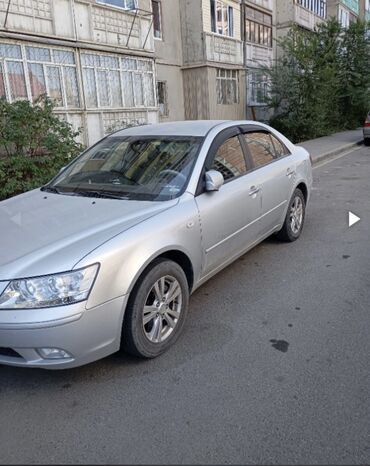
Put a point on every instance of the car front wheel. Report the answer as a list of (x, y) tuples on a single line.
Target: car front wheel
[(156, 311), (295, 217)]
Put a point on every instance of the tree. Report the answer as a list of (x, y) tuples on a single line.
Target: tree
[(317, 79), (355, 72)]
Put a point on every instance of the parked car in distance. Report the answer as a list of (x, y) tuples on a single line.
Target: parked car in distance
[(366, 130), (106, 255)]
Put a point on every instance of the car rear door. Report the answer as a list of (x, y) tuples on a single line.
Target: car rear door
[(229, 217), (276, 171)]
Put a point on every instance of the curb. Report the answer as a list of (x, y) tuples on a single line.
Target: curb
[(316, 159)]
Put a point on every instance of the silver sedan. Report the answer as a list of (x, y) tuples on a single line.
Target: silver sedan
[(106, 255)]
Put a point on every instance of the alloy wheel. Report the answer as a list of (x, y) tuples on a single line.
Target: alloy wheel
[(162, 309), (296, 215)]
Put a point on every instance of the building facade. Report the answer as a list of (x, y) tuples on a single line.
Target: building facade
[(213, 70), (259, 39), (113, 63), (95, 59), (345, 11)]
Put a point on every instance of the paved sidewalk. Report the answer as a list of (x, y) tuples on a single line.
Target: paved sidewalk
[(335, 144)]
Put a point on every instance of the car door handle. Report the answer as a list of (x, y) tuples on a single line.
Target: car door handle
[(290, 172), (254, 190)]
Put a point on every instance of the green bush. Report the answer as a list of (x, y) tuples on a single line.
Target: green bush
[(320, 82), (34, 145)]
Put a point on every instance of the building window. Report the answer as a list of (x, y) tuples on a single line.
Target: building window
[(125, 4), (157, 18), (113, 81), (26, 72), (343, 17), (316, 6), (258, 89), (258, 27), (162, 97), (227, 86), (222, 18)]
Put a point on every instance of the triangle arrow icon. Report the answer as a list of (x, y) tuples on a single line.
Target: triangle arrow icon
[(352, 219)]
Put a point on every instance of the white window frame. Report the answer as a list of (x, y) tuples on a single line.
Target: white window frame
[(53, 63), (159, 2), (319, 7), (258, 84), (124, 7), (228, 25), (149, 96), (224, 76)]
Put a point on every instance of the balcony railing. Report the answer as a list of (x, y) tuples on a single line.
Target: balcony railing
[(80, 20), (306, 18), (222, 49), (259, 55)]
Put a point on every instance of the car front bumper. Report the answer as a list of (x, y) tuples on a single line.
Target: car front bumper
[(85, 334)]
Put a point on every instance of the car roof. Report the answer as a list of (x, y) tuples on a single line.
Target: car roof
[(198, 128)]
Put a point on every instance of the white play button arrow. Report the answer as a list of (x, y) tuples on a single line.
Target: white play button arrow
[(352, 219)]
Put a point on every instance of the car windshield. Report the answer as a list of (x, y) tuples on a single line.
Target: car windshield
[(133, 168)]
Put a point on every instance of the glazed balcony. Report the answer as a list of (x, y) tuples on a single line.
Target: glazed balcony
[(80, 20), (306, 18)]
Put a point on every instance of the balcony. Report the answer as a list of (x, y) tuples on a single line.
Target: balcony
[(222, 49), (112, 26), (80, 20), (306, 18), (259, 55), (266, 4)]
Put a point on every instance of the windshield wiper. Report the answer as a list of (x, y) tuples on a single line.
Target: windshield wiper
[(100, 194), (51, 189)]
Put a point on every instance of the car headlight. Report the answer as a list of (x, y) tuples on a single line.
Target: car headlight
[(50, 290)]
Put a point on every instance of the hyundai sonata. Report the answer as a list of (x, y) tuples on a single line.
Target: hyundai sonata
[(106, 255)]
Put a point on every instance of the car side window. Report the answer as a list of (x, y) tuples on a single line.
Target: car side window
[(261, 147), (229, 159), (280, 148)]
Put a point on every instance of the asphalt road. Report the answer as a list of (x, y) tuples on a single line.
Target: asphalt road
[(273, 366)]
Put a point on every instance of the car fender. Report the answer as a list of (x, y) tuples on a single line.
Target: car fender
[(124, 258)]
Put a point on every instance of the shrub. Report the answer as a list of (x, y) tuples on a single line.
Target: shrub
[(34, 145)]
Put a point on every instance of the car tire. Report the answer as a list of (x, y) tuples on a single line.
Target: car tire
[(294, 220), (367, 141), (152, 324)]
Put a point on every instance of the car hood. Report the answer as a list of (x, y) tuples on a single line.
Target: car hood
[(44, 233)]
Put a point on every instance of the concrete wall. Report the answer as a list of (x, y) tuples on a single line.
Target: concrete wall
[(168, 51)]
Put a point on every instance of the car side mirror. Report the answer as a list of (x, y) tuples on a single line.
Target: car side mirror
[(214, 180)]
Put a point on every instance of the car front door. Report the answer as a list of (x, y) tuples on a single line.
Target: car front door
[(229, 217), (276, 172)]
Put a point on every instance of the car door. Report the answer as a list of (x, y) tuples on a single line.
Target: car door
[(276, 171), (229, 217)]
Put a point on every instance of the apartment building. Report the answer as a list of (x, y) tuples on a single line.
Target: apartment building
[(259, 45), (205, 48), (168, 53), (213, 70), (94, 58)]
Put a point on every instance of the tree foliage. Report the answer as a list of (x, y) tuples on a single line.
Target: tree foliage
[(34, 144), (320, 83)]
